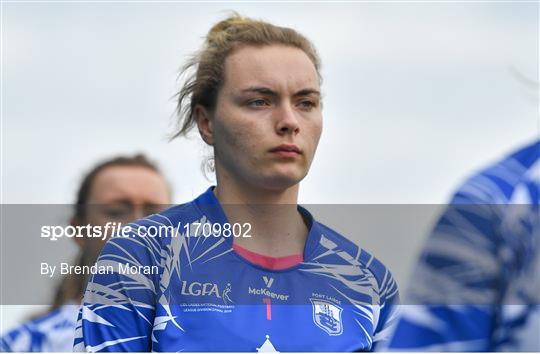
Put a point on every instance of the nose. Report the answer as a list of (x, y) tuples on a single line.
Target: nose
[(287, 121)]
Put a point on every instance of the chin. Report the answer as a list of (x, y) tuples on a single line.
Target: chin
[(279, 182)]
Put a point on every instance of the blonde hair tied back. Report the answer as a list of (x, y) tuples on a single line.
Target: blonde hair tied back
[(204, 71)]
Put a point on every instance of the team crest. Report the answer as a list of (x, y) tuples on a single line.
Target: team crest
[(327, 316)]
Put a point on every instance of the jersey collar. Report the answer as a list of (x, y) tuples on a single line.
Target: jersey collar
[(209, 206)]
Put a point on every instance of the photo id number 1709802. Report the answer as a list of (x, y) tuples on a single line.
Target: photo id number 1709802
[(217, 229)]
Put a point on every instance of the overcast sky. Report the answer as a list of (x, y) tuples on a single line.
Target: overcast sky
[(416, 95)]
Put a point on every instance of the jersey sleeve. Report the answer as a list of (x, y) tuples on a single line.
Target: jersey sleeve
[(118, 309), (453, 291)]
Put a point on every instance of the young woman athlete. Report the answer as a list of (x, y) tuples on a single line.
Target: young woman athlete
[(295, 284)]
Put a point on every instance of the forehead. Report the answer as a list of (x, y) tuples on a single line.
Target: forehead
[(135, 184), (276, 66)]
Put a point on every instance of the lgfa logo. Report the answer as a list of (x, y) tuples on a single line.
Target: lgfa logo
[(206, 289)]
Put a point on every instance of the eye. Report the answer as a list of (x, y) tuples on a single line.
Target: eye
[(257, 103), (118, 211), (307, 104)]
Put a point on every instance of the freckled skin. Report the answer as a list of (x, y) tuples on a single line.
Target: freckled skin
[(244, 134)]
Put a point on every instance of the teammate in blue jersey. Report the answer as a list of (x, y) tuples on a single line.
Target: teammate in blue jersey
[(204, 285), (119, 189), (52, 332), (476, 287)]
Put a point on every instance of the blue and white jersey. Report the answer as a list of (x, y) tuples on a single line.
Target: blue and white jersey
[(206, 297), (53, 332), (477, 284)]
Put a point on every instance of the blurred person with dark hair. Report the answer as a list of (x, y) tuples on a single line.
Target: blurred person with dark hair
[(118, 190), (477, 284)]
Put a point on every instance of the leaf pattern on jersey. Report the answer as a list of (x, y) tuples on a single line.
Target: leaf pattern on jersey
[(127, 313)]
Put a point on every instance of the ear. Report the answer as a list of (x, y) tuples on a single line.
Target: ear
[(204, 123)]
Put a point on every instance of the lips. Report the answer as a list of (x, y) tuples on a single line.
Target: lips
[(287, 148), (287, 151)]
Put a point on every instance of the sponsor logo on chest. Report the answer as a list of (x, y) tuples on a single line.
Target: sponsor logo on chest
[(266, 292)]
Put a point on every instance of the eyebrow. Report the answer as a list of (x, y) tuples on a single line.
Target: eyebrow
[(269, 92)]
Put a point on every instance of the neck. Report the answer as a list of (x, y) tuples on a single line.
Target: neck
[(277, 227), (230, 191)]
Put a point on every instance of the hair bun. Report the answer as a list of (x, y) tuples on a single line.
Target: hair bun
[(229, 25)]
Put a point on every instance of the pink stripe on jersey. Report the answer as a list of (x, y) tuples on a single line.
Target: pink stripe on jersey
[(273, 263)]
